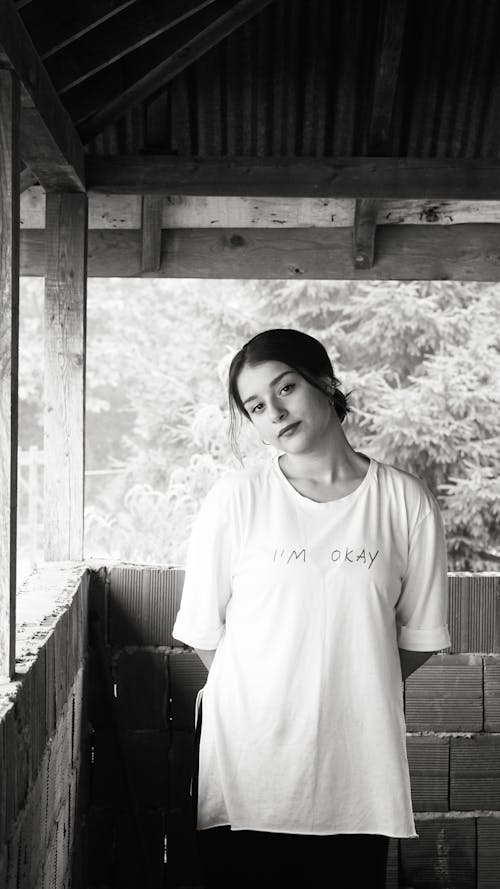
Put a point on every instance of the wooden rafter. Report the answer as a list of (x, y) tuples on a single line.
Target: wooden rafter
[(365, 224), (180, 55), (389, 178), (61, 26), (134, 27), (49, 142)]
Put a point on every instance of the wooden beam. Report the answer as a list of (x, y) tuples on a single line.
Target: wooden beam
[(65, 347), (404, 252), (179, 59), (365, 225), (377, 137), (117, 38), (179, 211), (9, 348), (27, 180), (388, 178), (49, 142), (64, 23), (152, 208)]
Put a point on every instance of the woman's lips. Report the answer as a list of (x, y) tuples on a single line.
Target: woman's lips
[(289, 430)]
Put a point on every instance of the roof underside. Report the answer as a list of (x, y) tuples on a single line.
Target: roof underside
[(300, 77)]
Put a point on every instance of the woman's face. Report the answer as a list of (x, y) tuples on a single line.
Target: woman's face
[(286, 410)]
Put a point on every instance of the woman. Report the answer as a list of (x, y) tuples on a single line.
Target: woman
[(314, 584)]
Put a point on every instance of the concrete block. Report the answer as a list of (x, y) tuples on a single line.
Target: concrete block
[(429, 760), (474, 612), (139, 849), (443, 857), (183, 864), (99, 710), (146, 758), (39, 730), (101, 843), (78, 874), (492, 694), (62, 680), (475, 773), (142, 689), (50, 685), (446, 694), (3, 785), (488, 853), (180, 770), (392, 872), (98, 599), (107, 784), (187, 674), (143, 603)]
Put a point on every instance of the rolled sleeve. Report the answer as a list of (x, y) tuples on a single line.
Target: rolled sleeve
[(422, 607)]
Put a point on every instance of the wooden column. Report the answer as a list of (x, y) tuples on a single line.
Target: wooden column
[(65, 349), (9, 345)]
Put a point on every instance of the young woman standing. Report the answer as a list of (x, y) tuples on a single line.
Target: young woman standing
[(314, 584)]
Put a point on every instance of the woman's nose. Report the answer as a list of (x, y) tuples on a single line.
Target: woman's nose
[(278, 411)]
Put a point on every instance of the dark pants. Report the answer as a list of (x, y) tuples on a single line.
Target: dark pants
[(241, 859)]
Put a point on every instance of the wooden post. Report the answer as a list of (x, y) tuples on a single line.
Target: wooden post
[(65, 351), (152, 208), (9, 346)]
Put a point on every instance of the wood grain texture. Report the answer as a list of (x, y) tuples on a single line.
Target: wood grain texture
[(386, 77), (406, 253), (363, 233), (9, 346), (152, 206), (65, 331), (50, 120), (384, 178), (193, 211)]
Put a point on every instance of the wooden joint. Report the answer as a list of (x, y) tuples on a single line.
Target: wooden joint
[(365, 224)]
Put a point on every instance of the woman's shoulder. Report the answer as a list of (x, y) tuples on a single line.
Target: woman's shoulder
[(234, 482), (407, 487)]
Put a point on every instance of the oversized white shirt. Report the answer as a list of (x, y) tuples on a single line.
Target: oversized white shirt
[(303, 727)]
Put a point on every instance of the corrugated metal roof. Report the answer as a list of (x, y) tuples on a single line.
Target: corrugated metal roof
[(298, 79)]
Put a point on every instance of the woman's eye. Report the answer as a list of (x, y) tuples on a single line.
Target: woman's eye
[(256, 408), (287, 388)]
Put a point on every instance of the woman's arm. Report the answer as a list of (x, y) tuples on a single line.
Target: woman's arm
[(412, 660), (206, 655)]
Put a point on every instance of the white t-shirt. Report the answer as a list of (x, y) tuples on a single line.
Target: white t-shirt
[(303, 728)]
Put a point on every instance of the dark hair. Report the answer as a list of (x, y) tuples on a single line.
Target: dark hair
[(299, 350)]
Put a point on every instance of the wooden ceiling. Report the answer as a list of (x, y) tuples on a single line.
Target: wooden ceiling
[(335, 100)]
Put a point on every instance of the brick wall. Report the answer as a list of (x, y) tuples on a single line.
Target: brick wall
[(453, 719), (43, 732)]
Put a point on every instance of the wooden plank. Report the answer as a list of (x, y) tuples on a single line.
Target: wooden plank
[(118, 37), (59, 162), (405, 253), (384, 178), (9, 348), (152, 206), (193, 211), (184, 54), (65, 322), (363, 233)]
